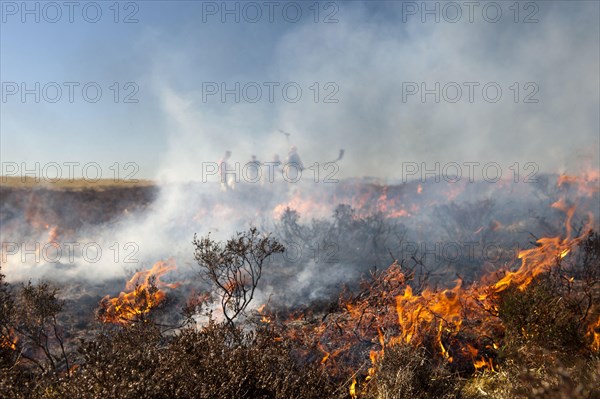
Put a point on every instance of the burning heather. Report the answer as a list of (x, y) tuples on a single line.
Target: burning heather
[(143, 294), (300, 200), (365, 296)]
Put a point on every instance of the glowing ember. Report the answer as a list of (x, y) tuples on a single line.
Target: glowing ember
[(9, 341)]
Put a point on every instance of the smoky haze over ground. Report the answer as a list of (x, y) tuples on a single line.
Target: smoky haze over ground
[(465, 229), (368, 55)]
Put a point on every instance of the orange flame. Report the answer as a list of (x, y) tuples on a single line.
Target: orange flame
[(440, 313), (370, 200), (10, 341), (264, 318), (143, 294), (415, 312), (457, 324), (586, 184), (353, 394), (593, 334)]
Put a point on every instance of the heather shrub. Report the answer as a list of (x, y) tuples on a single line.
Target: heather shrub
[(408, 372), (216, 361)]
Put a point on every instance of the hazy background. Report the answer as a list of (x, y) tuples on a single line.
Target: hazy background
[(368, 54)]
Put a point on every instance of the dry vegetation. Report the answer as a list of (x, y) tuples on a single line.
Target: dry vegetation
[(29, 182), (351, 350)]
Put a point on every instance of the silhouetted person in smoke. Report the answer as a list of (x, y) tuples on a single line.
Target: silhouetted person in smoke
[(273, 169), (226, 181), (253, 172), (294, 160)]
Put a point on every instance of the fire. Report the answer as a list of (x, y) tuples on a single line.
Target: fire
[(353, 394), (483, 364), (440, 308), (586, 185), (391, 207), (540, 259), (457, 323), (143, 294), (264, 317), (53, 233), (369, 200), (326, 354), (534, 262), (593, 334), (440, 315), (313, 207), (460, 326), (9, 341)]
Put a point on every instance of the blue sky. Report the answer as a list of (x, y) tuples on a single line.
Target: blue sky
[(176, 49)]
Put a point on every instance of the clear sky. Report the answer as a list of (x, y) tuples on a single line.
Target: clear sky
[(357, 65)]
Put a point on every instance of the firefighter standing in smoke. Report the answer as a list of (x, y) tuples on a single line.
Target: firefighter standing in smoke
[(226, 183), (294, 158), (294, 162), (254, 171)]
